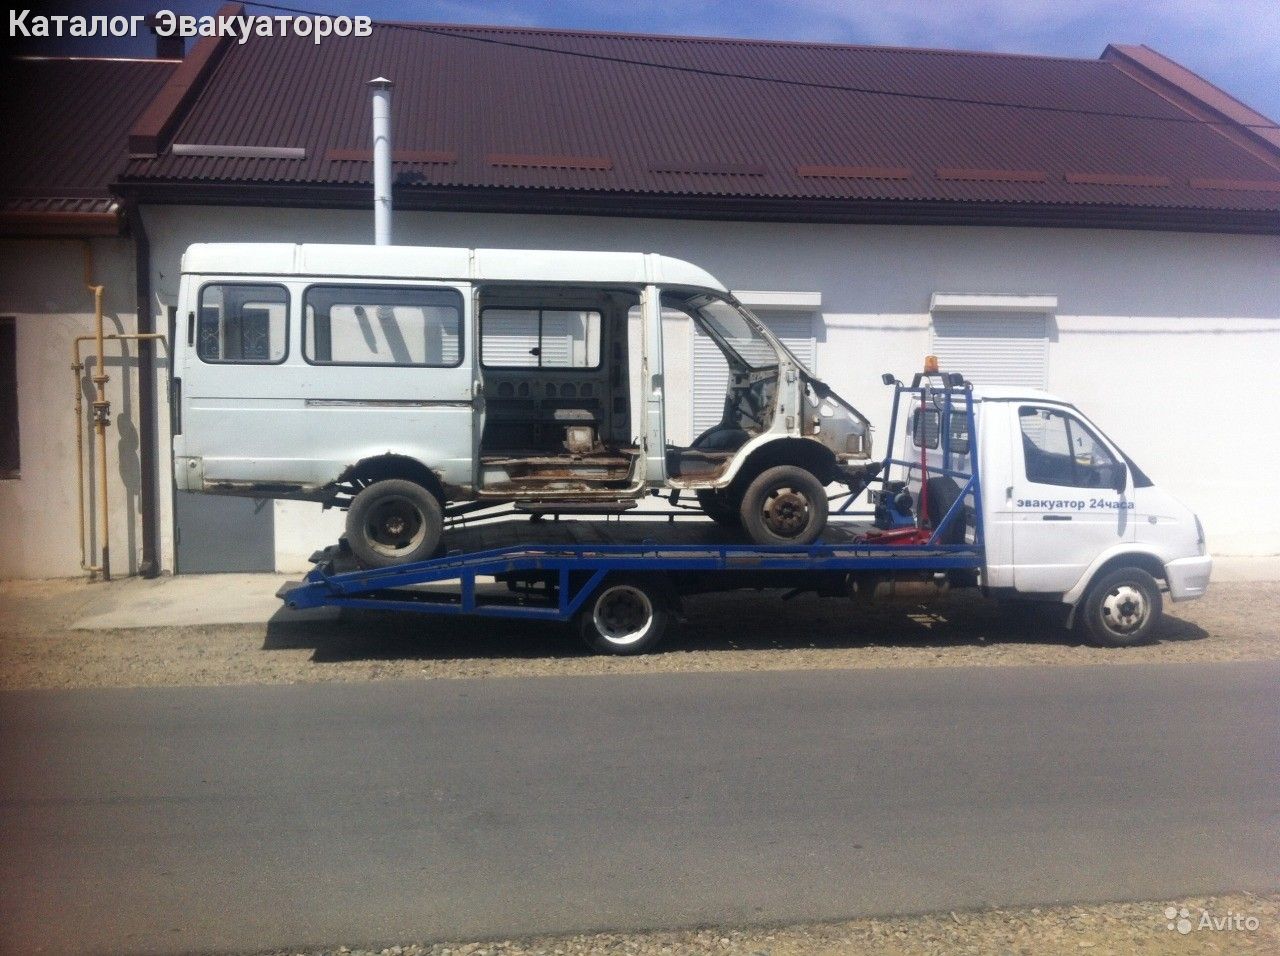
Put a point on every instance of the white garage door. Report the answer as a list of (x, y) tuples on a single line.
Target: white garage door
[(994, 348), (711, 373)]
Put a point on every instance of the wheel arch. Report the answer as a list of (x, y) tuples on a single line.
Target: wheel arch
[(391, 465), (801, 452), (1107, 563)]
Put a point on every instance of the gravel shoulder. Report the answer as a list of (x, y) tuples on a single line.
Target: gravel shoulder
[(737, 631), (1110, 928)]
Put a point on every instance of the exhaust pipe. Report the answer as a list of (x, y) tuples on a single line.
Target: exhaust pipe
[(381, 160)]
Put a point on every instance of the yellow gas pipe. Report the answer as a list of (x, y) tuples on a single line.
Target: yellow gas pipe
[(101, 418), (77, 369)]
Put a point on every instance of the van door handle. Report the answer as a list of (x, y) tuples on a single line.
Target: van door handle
[(1055, 517)]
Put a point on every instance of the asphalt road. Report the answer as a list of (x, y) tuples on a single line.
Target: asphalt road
[(245, 818)]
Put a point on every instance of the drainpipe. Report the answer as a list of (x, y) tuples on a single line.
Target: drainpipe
[(381, 160), (147, 441)]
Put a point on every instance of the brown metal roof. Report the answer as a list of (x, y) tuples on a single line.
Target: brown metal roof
[(66, 122), (691, 123)]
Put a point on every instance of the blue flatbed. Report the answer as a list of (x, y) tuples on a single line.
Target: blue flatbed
[(573, 557)]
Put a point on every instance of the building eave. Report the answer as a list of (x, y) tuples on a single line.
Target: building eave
[(736, 208), (63, 225)]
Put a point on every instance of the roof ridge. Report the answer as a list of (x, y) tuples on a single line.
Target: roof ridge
[(1235, 100), (518, 29)]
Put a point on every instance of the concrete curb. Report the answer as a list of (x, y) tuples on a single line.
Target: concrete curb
[(194, 600)]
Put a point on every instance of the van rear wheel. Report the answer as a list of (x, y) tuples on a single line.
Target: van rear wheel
[(394, 521)]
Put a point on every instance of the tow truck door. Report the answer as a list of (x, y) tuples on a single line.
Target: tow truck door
[(1065, 509)]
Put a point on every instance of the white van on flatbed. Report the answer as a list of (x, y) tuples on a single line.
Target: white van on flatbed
[(398, 382)]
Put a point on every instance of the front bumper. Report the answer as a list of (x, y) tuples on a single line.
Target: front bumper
[(1188, 577)]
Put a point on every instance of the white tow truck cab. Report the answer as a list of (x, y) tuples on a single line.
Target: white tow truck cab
[(1064, 514), (406, 383)]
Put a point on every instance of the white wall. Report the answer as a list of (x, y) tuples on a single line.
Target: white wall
[(1155, 332), (42, 286)]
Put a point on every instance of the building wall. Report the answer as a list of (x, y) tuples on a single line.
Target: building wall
[(42, 286), (1154, 335)]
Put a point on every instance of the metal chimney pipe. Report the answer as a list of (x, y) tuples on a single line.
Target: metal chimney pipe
[(381, 160)]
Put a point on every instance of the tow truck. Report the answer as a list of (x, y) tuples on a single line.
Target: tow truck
[(1012, 491)]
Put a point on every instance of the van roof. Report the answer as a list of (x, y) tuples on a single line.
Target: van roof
[(439, 262)]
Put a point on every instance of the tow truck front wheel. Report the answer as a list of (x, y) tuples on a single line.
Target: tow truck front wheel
[(626, 615), (1121, 608), (394, 521)]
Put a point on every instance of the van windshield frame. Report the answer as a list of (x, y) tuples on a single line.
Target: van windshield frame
[(735, 330)]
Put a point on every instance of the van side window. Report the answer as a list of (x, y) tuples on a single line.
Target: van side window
[(925, 427), (1059, 450), (243, 324), (382, 325), (539, 338)]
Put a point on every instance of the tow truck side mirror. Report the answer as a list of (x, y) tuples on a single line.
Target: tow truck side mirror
[(1119, 478), (888, 378)]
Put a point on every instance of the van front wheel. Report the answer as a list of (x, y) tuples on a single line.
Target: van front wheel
[(784, 505), (1121, 608), (394, 521)]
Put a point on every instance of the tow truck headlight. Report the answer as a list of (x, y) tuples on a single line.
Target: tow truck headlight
[(1200, 536)]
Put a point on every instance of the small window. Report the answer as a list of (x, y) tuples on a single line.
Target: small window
[(9, 449), (925, 427), (243, 324), (540, 338), (1059, 450), (383, 325), (959, 429)]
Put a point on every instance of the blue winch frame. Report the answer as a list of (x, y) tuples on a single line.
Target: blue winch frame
[(578, 570)]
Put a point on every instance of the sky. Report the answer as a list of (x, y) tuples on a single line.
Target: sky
[(1234, 44)]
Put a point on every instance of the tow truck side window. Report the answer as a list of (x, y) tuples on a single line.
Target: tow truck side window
[(1059, 450), (959, 429), (925, 427)]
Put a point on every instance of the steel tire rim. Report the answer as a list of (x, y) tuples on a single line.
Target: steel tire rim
[(1125, 609), (395, 526), (786, 511), (623, 615)]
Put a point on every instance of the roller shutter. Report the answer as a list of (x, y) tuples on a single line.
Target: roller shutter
[(994, 348)]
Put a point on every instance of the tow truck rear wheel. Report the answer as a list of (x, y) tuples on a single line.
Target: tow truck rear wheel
[(1121, 608), (625, 615), (394, 521), (784, 505)]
